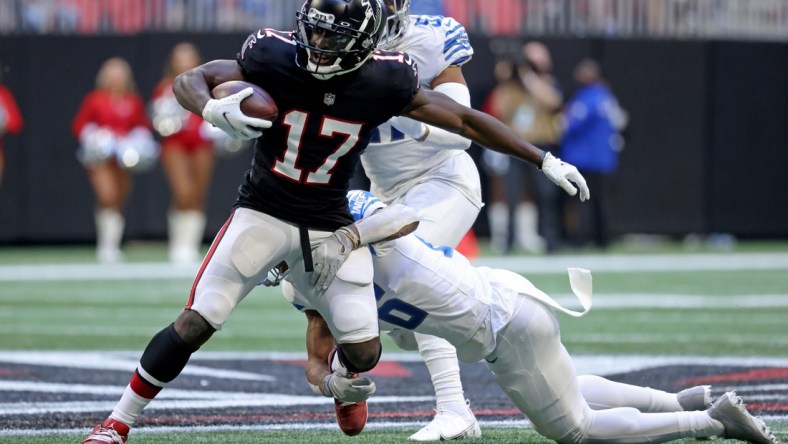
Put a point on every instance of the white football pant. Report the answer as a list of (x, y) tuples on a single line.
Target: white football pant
[(534, 369), (250, 244)]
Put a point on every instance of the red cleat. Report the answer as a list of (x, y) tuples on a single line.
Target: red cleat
[(351, 416), (110, 431)]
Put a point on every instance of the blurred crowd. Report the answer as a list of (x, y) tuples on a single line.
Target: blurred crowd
[(767, 19), (585, 129)]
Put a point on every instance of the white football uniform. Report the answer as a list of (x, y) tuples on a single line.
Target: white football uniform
[(434, 181), (436, 291), (502, 317)]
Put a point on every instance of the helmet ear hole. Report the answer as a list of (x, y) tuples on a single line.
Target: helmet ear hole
[(349, 32)]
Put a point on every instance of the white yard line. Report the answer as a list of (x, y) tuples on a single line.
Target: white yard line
[(372, 425), (520, 264)]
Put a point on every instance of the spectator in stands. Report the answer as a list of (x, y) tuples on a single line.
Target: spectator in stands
[(592, 141), (187, 158), (107, 114), (530, 103), (10, 119)]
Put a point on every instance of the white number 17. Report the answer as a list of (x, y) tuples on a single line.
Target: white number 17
[(296, 121)]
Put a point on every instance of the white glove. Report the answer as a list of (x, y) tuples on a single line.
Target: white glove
[(330, 255), (409, 127), (226, 114), (346, 389), (562, 174)]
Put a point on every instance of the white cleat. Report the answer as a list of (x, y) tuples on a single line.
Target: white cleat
[(739, 424), (447, 425), (695, 398)]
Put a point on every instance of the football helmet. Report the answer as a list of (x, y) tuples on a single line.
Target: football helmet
[(337, 36), (396, 23)]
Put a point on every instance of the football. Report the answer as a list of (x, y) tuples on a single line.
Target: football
[(259, 105)]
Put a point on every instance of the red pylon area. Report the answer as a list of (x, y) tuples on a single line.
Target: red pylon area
[(468, 246)]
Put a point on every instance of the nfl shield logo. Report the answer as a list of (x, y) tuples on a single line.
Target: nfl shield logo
[(329, 99)]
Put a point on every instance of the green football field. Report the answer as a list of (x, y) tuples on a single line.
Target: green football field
[(663, 301)]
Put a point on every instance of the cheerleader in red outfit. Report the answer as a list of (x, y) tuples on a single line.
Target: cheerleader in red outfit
[(109, 115), (10, 121), (187, 157)]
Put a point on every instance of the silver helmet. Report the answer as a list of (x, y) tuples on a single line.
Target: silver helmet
[(396, 22)]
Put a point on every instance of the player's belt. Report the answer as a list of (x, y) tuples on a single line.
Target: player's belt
[(306, 248)]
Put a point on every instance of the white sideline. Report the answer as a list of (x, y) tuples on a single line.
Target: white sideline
[(520, 264)]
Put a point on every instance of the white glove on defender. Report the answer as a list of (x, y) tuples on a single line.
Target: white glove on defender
[(226, 115), (330, 255), (562, 174), (346, 389)]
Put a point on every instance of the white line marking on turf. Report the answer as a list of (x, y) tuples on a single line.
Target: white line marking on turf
[(124, 361), (260, 400), (372, 425), (536, 264)]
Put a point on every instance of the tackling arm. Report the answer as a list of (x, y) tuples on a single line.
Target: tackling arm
[(319, 343), (387, 224)]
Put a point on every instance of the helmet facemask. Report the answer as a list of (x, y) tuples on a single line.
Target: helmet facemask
[(396, 23)]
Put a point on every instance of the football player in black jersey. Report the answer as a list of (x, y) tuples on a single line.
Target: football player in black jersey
[(332, 88)]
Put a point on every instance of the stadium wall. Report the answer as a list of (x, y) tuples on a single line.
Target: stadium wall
[(706, 146)]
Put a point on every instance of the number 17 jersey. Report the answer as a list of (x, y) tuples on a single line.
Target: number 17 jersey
[(302, 165)]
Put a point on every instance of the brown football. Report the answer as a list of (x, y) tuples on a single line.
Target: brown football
[(259, 105)]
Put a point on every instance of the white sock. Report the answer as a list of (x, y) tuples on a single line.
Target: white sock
[(498, 215), (526, 220), (601, 393), (128, 409), (109, 233), (628, 425), (441, 360), (186, 230)]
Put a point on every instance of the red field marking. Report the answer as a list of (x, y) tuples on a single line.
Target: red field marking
[(750, 375), (384, 369), (13, 372), (768, 407)]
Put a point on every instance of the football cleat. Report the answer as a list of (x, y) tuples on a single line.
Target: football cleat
[(695, 398), (739, 424), (110, 431), (448, 424), (351, 416)]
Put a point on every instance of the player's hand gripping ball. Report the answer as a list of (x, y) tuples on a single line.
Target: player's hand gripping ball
[(259, 104), (240, 109)]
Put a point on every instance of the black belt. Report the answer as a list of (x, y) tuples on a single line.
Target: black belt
[(306, 248)]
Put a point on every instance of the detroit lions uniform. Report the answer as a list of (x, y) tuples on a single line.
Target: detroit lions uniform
[(501, 317), (294, 195), (397, 165)]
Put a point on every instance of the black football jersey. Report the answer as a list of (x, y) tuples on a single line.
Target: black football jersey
[(303, 164)]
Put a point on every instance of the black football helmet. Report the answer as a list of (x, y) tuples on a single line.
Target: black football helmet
[(337, 36), (396, 23)]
